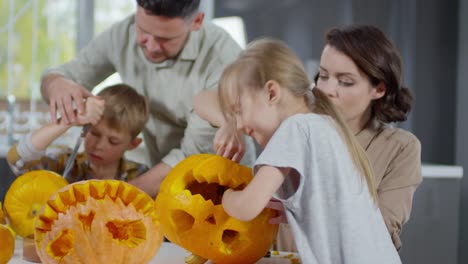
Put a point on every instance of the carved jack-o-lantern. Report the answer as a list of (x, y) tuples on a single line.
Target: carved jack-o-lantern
[(98, 221), (192, 216)]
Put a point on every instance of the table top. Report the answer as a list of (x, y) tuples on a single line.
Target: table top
[(172, 254)]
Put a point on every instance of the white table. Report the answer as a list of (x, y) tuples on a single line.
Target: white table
[(170, 254)]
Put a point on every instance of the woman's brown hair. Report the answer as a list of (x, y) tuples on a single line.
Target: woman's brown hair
[(376, 56)]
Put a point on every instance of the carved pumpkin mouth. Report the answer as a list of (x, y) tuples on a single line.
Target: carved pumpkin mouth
[(209, 191)]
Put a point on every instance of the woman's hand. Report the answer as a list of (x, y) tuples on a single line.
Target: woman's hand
[(279, 208), (229, 143)]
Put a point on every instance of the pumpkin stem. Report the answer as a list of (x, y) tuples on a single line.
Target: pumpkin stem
[(35, 209)]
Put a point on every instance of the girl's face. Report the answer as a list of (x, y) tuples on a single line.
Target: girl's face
[(348, 88), (105, 146), (256, 116)]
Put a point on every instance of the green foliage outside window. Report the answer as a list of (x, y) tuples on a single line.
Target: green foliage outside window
[(53, 33)]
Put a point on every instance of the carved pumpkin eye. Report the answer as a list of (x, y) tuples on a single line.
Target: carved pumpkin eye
[(97, 221), (189, 204)]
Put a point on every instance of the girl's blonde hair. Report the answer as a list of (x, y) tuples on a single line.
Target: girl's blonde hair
[(268, 59)]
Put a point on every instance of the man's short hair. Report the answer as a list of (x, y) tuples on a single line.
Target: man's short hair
[(125, 110), (170, 8)]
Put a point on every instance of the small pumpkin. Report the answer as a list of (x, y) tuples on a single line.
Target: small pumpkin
[(26, 196), (192, 216), (98, 221), (7, 243)]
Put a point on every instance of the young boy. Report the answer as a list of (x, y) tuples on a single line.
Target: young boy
[(115, 118)]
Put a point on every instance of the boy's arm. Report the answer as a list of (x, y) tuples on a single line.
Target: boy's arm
[(150, 181), (44, 136), (246, 204), (29, 151), (32, 146)]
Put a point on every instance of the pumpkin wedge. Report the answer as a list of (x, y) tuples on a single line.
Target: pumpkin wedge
[(7, 243)]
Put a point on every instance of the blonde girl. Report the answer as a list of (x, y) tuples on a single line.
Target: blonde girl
[(310, 160)]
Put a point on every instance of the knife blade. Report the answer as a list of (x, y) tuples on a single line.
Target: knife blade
[(71, 158)]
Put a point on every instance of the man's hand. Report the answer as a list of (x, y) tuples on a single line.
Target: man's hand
[(229, 143), (61, 93), (279, 208)]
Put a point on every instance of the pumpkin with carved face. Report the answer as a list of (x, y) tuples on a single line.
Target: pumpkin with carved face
[(192, 216), (98, 221)]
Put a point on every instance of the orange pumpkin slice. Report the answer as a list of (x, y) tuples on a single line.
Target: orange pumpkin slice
[(2, 215), (26, 196), (7, 243), (98, 221), (193, 217)]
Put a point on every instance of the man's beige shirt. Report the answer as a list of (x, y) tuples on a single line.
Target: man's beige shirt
[(174, 131)]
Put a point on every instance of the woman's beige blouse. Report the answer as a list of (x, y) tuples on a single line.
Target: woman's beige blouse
[(395, 156)]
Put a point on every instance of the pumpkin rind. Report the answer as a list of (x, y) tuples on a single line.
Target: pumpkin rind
[(192, 216), (26, 196), (98, 221)]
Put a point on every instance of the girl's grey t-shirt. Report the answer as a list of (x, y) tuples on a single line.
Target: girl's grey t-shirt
[(327, 203)]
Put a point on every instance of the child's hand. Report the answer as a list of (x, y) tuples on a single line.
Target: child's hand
[(229, 143), (94, 107), (279, 208)]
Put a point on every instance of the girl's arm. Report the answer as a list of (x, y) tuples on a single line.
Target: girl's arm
[(246, 204), (206, 105), (228, 141)]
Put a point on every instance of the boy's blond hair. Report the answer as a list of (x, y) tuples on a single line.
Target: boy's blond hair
[(125, 109)]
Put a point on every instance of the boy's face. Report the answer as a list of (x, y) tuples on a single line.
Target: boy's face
[(105, 146)]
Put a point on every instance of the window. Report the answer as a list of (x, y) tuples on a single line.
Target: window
[(34, 34)]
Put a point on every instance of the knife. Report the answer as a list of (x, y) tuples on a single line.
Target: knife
[(71, 158)]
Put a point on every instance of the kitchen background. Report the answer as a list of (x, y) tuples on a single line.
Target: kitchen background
[(432, 36)]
